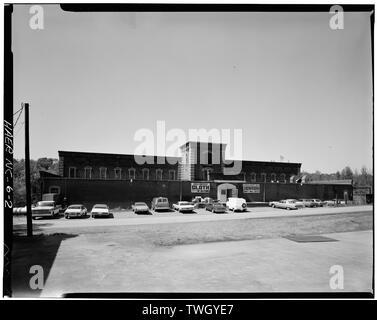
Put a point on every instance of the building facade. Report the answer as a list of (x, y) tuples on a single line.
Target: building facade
[(202, 170)]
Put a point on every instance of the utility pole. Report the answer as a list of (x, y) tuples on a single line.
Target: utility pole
[(27, 174)]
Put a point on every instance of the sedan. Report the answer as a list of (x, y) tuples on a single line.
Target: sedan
[(183, 206), (100, 210), (216, 207), (289, 204), (318, 202), (75, 210), (140, 207), (308, 203)]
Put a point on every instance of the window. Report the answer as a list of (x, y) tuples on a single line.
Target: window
[(88, 173), (145, 174), (264, 177), (54, 189), (206, 174), (118, 173), (72, 172), (171, 174), (273, 177), (131, 173), (282, 178), (102, 173), (158, 174), (253, 177)]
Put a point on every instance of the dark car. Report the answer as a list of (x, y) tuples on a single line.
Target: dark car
[(216, 207)]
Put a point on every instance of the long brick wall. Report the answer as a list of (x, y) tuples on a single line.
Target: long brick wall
[(122, 193)]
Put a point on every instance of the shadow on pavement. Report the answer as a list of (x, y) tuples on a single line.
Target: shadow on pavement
[(39, 250)]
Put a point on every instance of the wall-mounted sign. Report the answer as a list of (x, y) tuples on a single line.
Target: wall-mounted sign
[(251, 188), (200, 187)]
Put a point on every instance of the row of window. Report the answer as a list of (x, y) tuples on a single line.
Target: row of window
[(253, 176), (120, 174)]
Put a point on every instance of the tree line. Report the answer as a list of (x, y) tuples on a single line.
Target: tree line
[(361, 178)]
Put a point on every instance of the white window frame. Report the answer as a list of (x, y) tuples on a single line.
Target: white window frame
[(174, 174), (74, 170), (90, 172), (145, 170), (253, 177), (263, 176), (100, 173), (133, 174), (273, 177), (117, 173), (159, 171), (282, 178)]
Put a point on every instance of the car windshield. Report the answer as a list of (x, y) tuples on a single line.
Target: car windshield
[(74, 207), (100, 206), (162, 200), (46, 203), (140, 204)]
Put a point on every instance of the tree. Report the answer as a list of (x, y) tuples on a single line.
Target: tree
[(346, 173), (42, 164)]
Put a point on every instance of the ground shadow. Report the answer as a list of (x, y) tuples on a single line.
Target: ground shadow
[(39, 250)]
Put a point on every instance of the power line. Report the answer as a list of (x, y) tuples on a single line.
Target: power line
[(18, 110), (19, 129), (18, 117)]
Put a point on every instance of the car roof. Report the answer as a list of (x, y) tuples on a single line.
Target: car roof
[(100, 204)]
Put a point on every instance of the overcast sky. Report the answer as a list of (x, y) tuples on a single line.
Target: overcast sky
[(296, 88)]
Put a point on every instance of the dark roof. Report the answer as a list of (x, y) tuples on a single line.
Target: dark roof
[(110, 155), (43, 173)]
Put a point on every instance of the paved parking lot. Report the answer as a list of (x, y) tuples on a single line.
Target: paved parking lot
[(242, 252), (127, 217)]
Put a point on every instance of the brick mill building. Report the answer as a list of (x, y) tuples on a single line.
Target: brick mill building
[(119, 179)]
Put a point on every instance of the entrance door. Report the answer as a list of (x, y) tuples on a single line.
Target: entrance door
[(225, 191)]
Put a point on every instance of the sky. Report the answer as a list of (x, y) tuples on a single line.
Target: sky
[(296, 88)]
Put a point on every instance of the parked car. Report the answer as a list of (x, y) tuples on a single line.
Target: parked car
[(289, 204), (236, 204), (318, 202), (45, 209), (271, 203), (215, 207), (308, 203), (183, 206), (198, 202), (334, 202), (160, 203), (140, 207), (208, 200), (75, 210), (100, 210)]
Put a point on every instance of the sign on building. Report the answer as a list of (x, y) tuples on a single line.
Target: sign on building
[(251, 188), (200, 187)]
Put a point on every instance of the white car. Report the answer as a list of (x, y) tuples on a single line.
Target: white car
[(100, 210), (236, 204), (289, 204), (140, 207), (75, 210), (183, 206), (45, 209)]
